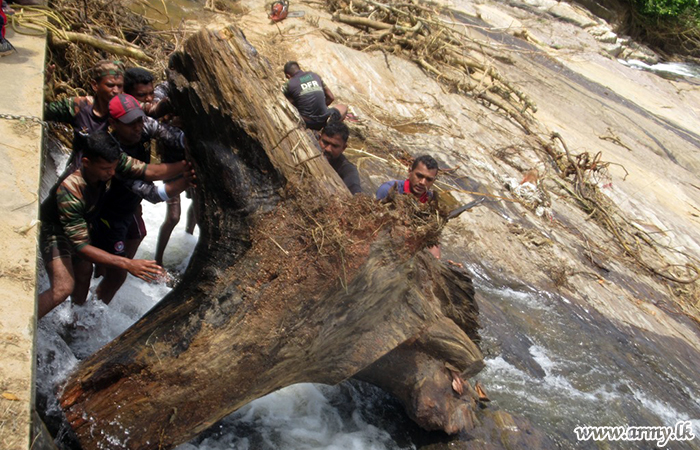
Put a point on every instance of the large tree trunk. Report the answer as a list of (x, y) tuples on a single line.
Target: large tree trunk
[(293, 280)]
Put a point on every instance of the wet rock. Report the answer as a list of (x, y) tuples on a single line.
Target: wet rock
[(496, 18), (598, 31), (640, 54), (567, 13), (498, 430), (624, 41), (608, 38), (540, 4), (605, 10), (603, 34), (613, 50)]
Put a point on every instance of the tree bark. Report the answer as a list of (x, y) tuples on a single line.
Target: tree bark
[(293, 279)]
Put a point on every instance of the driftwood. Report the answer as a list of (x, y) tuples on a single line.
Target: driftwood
[(420, 34), (293, 280), (101, 44)]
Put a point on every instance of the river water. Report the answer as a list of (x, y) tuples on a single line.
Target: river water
[(562, 365)]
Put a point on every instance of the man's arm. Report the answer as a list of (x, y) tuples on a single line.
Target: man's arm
[(353, 185), (160, 106), (60, 111), (146, 190), (65, 110), (351, 177), (71, 209), (383, 190), (156, 194), (285, 90), (141, 268), (168, 135), (166, 171), (330, 98), (129, 167)]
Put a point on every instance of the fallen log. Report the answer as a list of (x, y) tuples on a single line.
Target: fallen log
[(110, 46), (293, 280)]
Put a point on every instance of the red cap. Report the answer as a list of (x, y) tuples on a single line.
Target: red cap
[(125, 108)]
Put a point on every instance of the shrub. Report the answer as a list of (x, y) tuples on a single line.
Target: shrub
[(667, 8)]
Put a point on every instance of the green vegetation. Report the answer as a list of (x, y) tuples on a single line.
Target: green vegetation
[(672, 9), (670, 26)]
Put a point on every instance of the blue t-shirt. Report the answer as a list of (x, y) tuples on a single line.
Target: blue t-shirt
[(402, 187)]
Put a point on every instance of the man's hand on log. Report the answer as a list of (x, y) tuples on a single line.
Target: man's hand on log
[(145, 269), (190, 175), (188, 179)]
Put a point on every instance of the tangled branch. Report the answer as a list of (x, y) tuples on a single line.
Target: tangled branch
[(416, 32), (83, 33), (628, 237)]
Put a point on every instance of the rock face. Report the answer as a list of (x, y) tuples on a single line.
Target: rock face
[(642, 124)]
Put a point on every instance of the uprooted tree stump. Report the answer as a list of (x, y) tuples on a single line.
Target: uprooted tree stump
[(293, 280)]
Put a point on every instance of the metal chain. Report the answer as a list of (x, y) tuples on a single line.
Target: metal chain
[(34, 119)]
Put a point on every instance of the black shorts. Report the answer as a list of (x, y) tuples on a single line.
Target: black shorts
[(111, 234), (318, 122)]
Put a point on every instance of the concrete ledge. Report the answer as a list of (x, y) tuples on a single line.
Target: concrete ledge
[(21, 94)]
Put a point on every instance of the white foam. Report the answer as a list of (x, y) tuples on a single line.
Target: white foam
[(301, 416), (683, 69), (664, 411), (530, 300)]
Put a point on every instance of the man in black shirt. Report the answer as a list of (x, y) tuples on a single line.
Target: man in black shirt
[(120, 228), (311, 97), (333, 141)]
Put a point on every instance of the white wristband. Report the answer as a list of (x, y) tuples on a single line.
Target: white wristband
[(161, 192)]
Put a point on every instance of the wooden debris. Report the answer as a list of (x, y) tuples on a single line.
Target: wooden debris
[(416, 32)]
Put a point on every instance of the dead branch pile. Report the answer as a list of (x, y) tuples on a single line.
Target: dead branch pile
[(82, 33), (416, 32), (584, 172)]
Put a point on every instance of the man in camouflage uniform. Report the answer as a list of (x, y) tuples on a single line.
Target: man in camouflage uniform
[(73, 204), (90, 113)]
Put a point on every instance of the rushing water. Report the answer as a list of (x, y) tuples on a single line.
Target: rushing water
[(667, 70), (562, 365), (548, 359)]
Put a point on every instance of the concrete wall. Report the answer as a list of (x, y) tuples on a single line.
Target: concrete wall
[(21, 94)]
